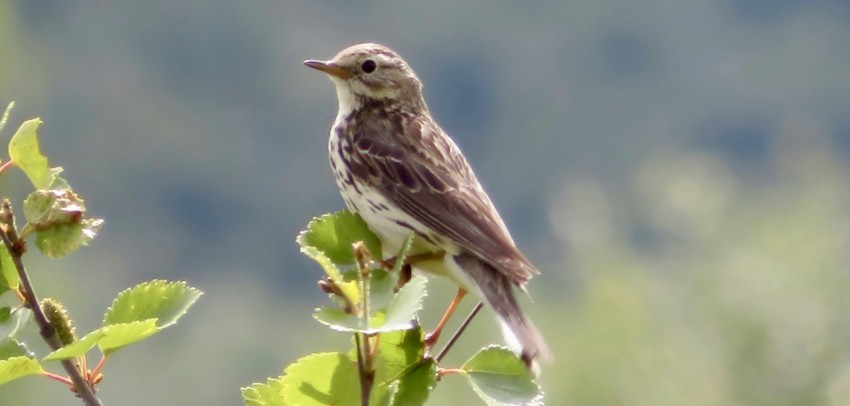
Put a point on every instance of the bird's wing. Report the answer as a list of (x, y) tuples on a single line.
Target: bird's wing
[(420, 169)]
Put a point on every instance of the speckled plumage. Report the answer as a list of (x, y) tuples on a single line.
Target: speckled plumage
[(401, 172)]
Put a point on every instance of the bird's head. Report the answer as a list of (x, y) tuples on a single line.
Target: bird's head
[(370, 71)]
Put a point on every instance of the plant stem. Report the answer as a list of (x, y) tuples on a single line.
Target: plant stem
[(459, 331), (99, 366), (449, 371), (364, 388), (15, 246), (367, 376), (6, 165), (58, 378), (364, 366), (365, 361)]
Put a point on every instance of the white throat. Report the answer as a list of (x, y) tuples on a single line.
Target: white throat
[(347, 101)]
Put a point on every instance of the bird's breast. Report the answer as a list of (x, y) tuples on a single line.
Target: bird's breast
[(391, 224)]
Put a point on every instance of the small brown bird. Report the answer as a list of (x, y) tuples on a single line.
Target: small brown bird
[(402, 173)]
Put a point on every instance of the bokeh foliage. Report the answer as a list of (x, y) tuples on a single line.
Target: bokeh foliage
[(740, 299)]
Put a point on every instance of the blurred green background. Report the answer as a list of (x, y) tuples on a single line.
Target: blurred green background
[(677, 169)]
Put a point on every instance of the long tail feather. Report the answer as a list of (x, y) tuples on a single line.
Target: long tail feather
[(497, 290)]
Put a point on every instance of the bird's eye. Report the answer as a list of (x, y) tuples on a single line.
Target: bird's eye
[(368, 66)]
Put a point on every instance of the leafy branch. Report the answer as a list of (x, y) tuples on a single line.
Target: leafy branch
[(377, 301), (56, 219), (16, 248)]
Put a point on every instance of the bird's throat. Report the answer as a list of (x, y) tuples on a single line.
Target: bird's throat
[(348, 102)]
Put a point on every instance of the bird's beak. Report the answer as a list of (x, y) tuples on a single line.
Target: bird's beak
[(330, 68)]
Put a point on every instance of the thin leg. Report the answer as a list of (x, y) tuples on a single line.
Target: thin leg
[(434, 336)]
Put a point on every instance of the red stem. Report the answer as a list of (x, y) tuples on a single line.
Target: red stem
[(6, 165), (99, 366), (59, 378)]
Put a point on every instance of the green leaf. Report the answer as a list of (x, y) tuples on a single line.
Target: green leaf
[(339, 320), (58, 218), (405, 304), (6, 115), (402, 253), (143, 310), (264, 394), (415, 386), (13, 348), (109, 339), (323, 260), (77, 348), (26, 153), (381, 287), (398, 351), (63, 239), (43, 208), (382, 395), (499, 377), (18, 367), (9, 277), (157, 299), (399, 314), (116, 336), (136, 314), (16, 361), (350, 289), (57, 182), (402, 368), (18, 318), (322, 379), (334, 234)]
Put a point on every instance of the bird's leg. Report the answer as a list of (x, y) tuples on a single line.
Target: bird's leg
[(432, 338)]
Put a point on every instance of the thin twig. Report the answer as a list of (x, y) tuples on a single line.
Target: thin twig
[(58, 378), (48, 333), (367, 377), (364, 393), (449, 371), (6, 165), (459, 331), (366, 360)]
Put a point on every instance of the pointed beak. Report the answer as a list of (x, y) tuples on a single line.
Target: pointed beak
[(330, 68)]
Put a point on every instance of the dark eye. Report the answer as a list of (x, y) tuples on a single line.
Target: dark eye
[(368, 66)]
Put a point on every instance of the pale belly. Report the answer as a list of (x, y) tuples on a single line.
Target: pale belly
[(387, 225), (390, 224)]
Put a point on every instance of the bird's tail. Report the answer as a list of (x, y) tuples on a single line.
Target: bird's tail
[(497, 291)]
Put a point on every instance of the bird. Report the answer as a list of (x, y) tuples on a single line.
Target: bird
[(398, 169)]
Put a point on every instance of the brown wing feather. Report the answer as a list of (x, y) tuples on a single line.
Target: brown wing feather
[(420, 169)]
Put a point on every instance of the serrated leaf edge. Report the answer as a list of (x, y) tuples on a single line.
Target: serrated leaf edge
[(196, 294)]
